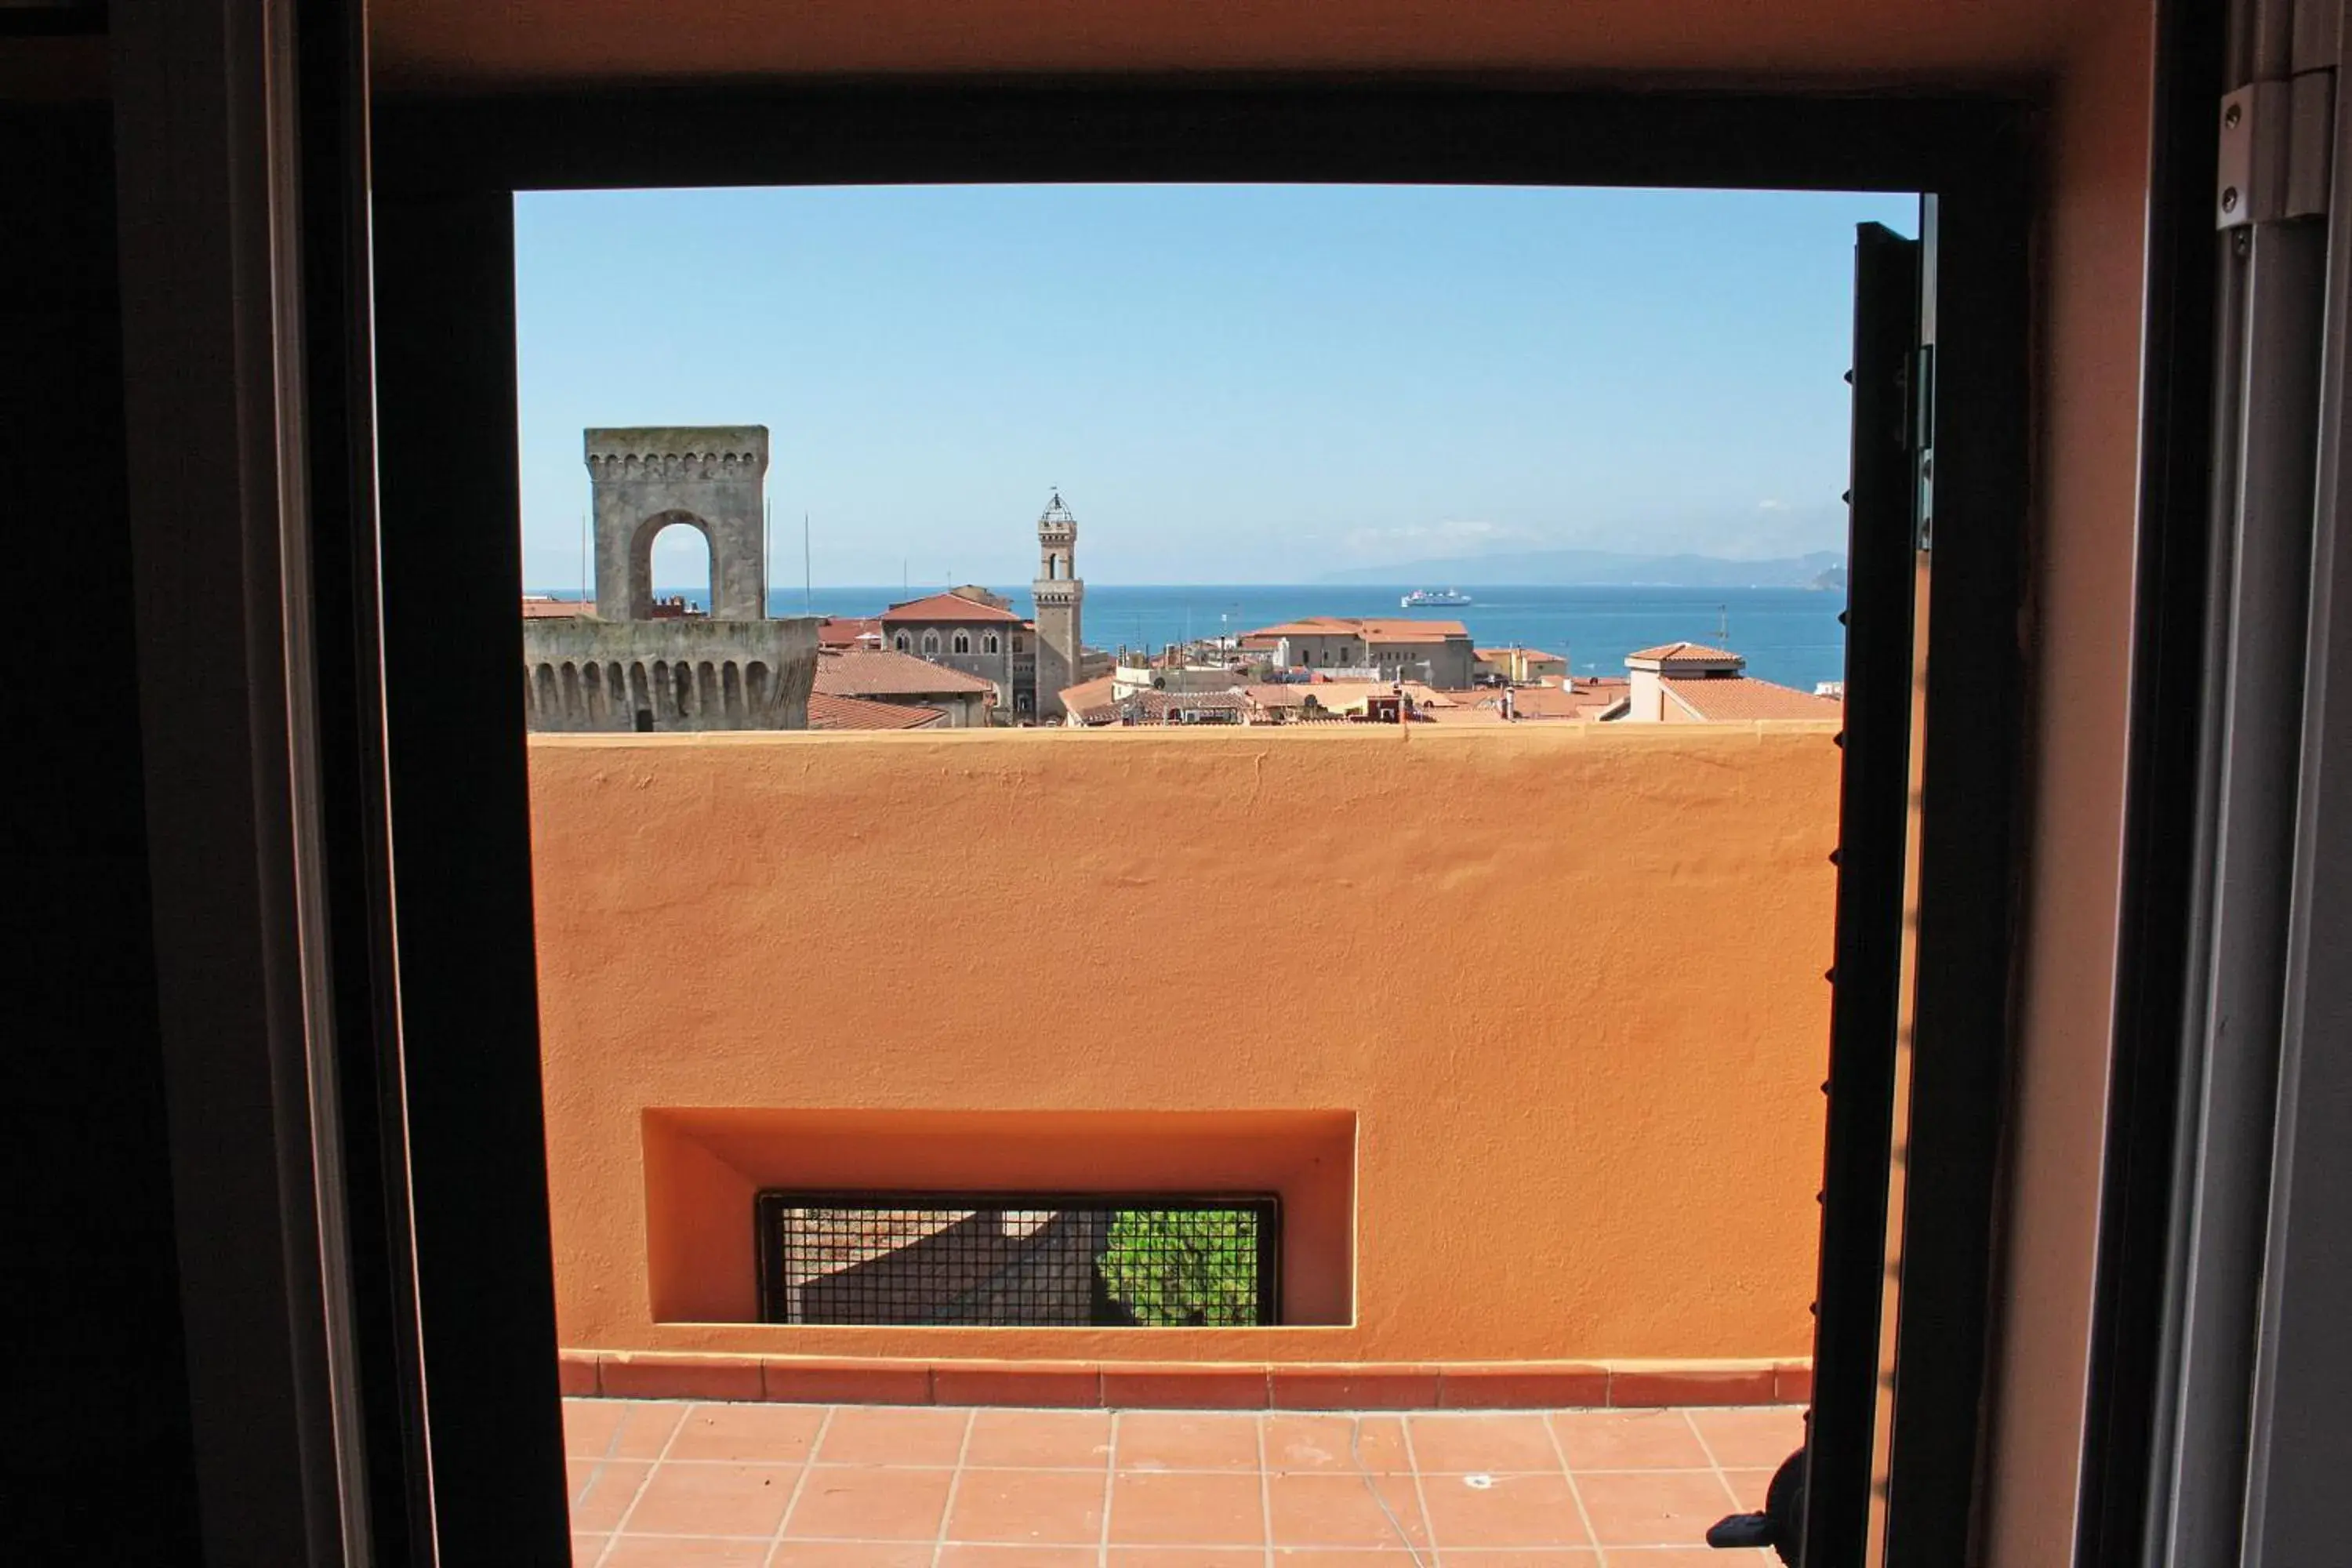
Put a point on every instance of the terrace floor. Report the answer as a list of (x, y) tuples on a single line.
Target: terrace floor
[(813, 1486)]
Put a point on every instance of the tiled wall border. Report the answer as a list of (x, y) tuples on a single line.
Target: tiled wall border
[(1186, 1385)]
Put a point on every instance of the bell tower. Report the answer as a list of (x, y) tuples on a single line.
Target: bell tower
[(1058, 594)]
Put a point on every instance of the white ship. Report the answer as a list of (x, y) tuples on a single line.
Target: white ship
[(1422, 598)]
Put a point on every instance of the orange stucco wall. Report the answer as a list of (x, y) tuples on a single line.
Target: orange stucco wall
[(1527, 1027)]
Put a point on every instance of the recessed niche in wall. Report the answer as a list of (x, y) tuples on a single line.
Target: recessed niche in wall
[(707, 1169)]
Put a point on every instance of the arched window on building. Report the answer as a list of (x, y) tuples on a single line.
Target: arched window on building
[(963, 642), (1020, 645), (930, 645), (988, 644), (903, 643)]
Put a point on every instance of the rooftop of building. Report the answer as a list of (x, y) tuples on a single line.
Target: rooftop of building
[(545, 607), (1368, 628), (828, 712), (948, 607), (879, 672), (1684, 653), (1746, 697), (1088, 694), (847, 631), (1586, 699)]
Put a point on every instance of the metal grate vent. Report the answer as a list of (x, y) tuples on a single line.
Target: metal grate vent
[(1026, 1259)]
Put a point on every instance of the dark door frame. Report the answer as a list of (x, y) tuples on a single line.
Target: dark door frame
[(445, 172)]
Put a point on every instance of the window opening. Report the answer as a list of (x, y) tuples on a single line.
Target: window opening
[(1027, 1260)]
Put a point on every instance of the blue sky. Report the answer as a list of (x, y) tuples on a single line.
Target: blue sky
[(1229, 383)]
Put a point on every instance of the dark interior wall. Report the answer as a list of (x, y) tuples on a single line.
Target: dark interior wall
[(98, 1387)]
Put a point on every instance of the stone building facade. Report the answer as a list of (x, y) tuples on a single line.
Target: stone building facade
[(622, 665), (964, 630)]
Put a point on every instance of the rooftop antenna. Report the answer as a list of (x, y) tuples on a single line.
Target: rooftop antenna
[(1723, 625)]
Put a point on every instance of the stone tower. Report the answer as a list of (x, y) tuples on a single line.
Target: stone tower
[(709, 478), (1059, 595), (626, 667)]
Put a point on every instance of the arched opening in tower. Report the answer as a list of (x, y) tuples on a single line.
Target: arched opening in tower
[(681, 559)]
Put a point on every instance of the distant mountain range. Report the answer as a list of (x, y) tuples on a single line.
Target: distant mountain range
[(1604, 569)]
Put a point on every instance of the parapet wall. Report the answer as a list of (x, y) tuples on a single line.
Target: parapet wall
[(1526, 1026), (583, 674)]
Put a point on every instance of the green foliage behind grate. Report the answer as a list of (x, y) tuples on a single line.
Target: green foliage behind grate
[(1184, 1267)]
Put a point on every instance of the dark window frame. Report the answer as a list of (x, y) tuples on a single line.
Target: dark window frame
[(446, 170)]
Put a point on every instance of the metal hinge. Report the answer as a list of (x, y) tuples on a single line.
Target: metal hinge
[(1921, 396), (2277, 149)]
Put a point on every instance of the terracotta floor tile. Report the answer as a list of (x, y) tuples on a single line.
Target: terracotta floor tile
[(1750, 1487), (964, 1554), (1455, 1444), (1186, 1557), (1750, 1436), (1687, 1557), (685, 1551), (1050, 1507), (1186, 1440), (860, 1503), (636, 1429), (747, 1433), (589, 1425), (852, 1554), (712, 1499), (1628, 1441), (1342, 1557), (586, 1550), (1521, 1557), (1324, 1508), (1066, 1439), (1322, 1443), (1513, 1510), (601, 1490), (1152, 1509), (887, 1435), (1666, 1508)]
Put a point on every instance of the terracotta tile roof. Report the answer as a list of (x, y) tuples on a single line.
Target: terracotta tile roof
[(827, 711), (1728, 700), (538, 607), (878, 672), (941, 608), (1194, 701), (1357, 626), (1413, 631), (1156, 707), (1684, 650), (1313, 626), (1551, 702), (1087, 694), (844, 631)]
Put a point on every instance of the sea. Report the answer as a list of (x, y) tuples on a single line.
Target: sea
[(1787, 635)]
